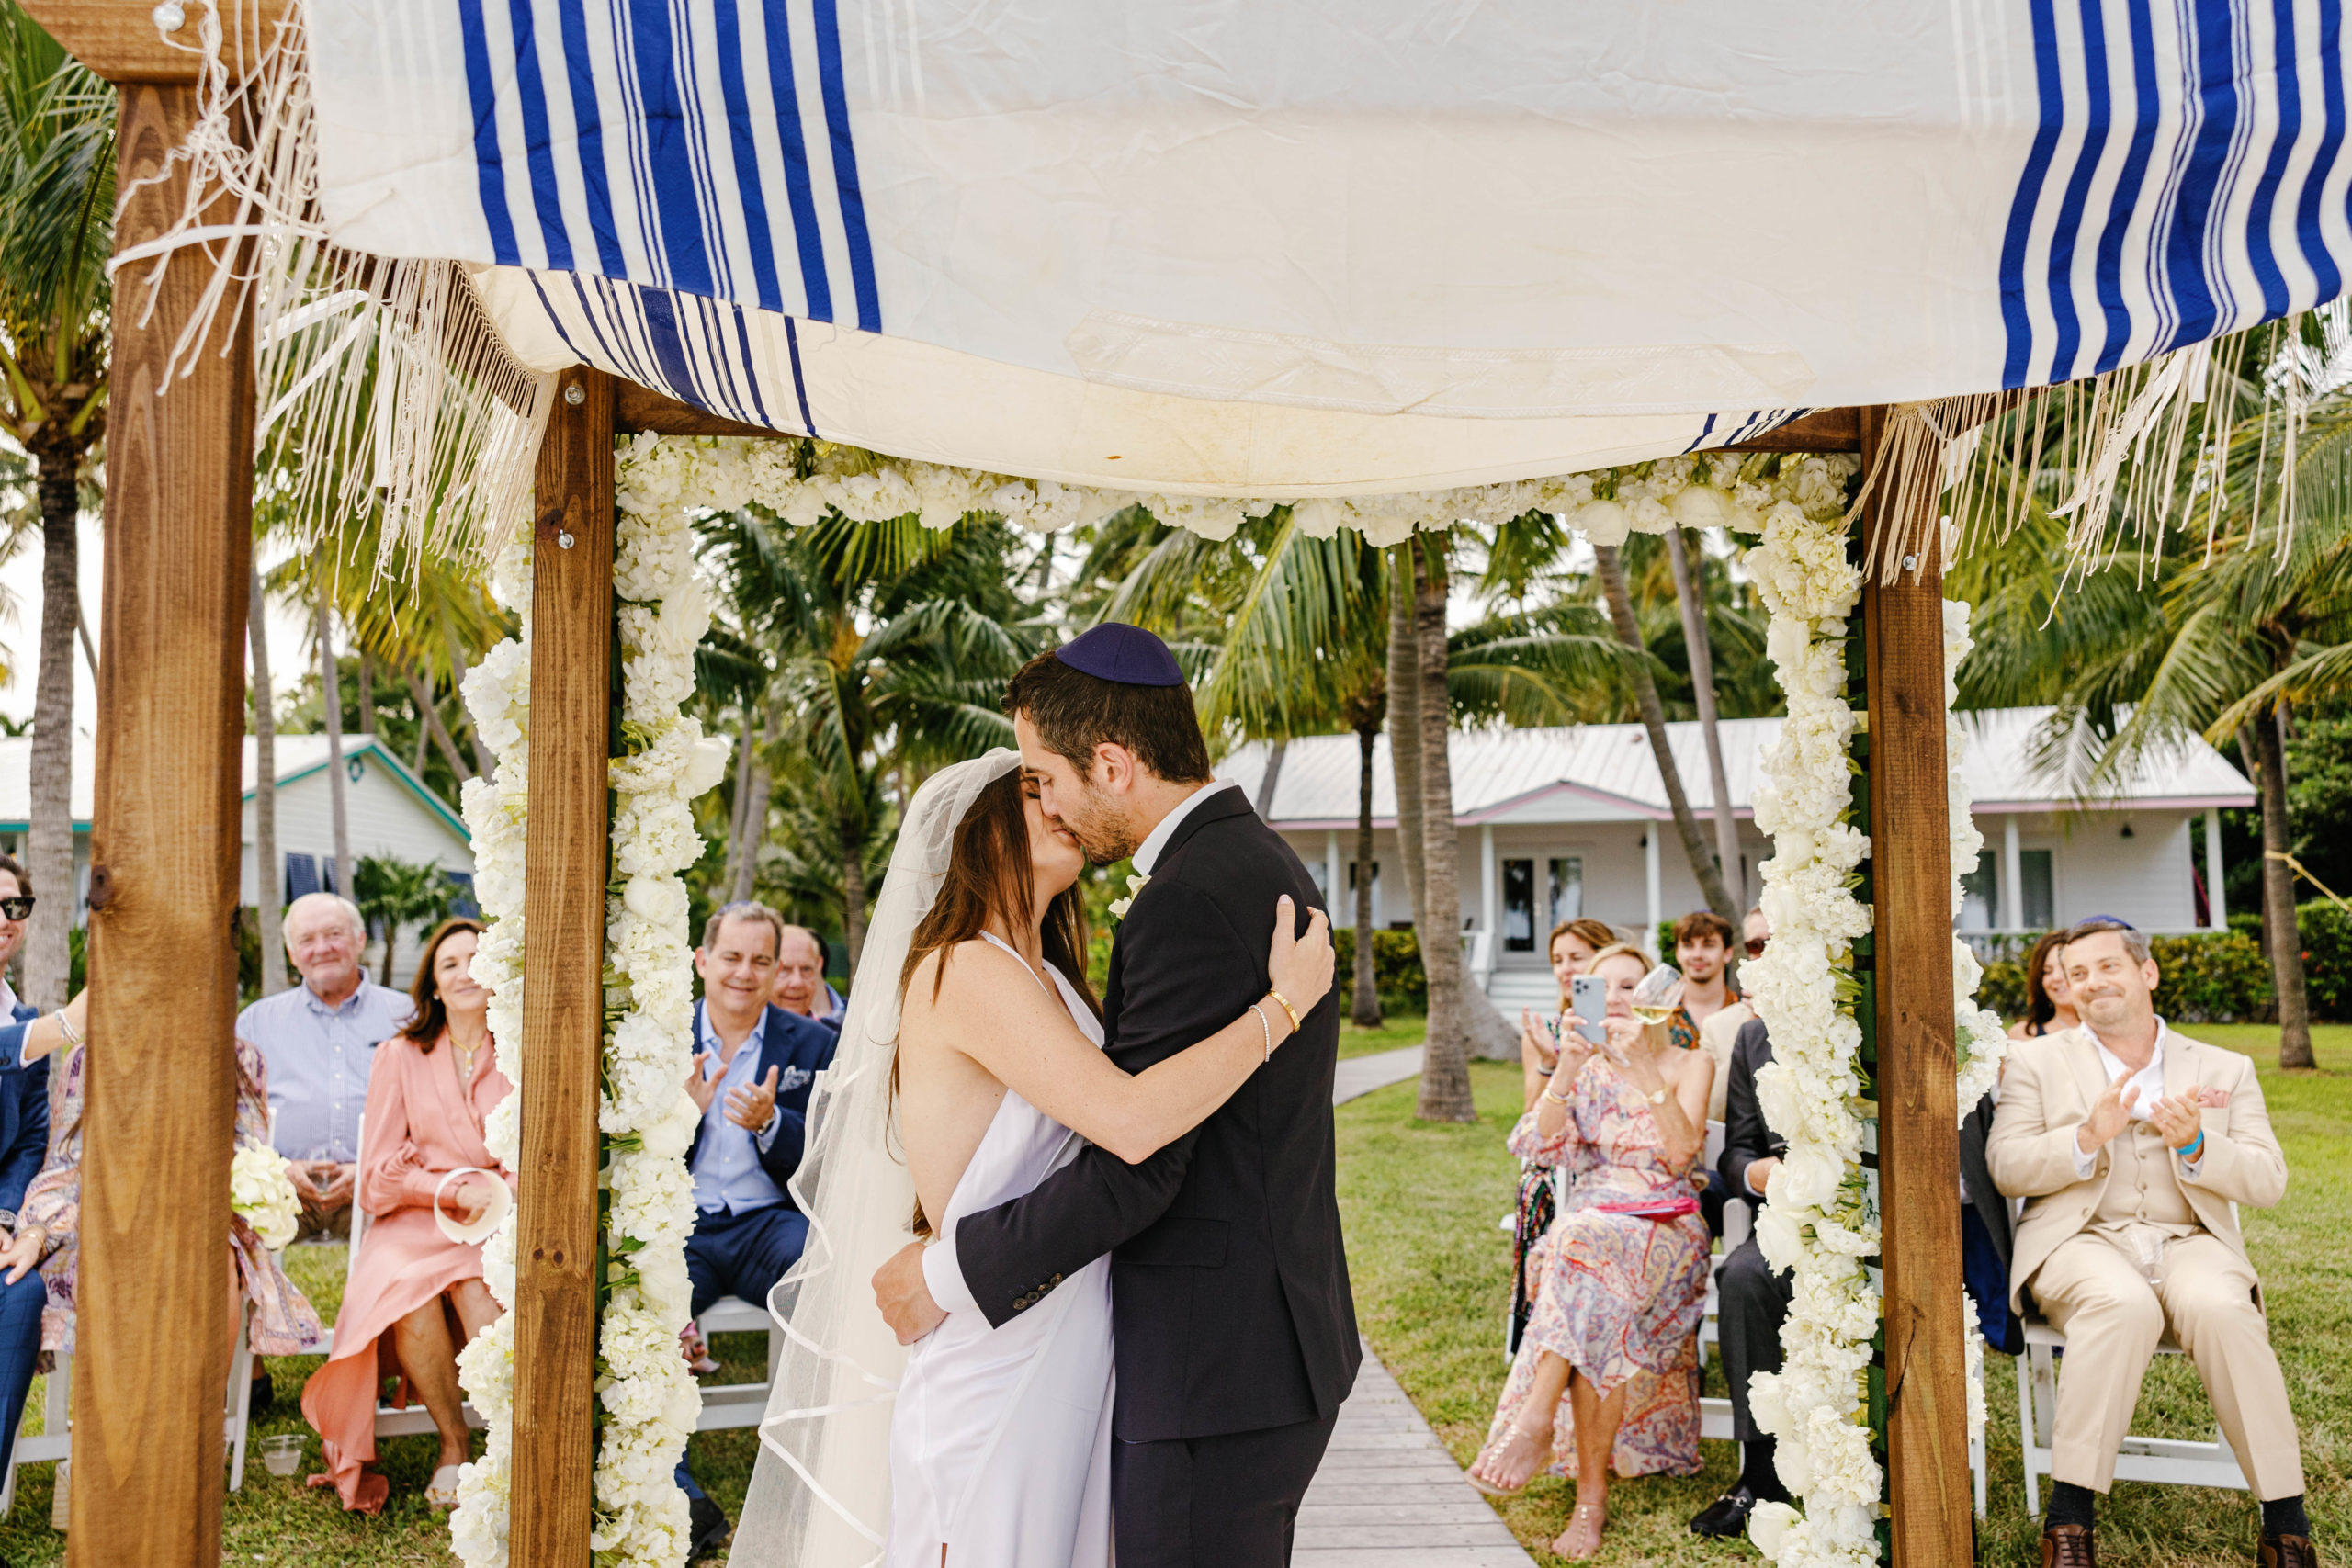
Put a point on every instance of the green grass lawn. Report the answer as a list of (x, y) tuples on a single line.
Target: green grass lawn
[(1420, 1203), (1396, 1029)]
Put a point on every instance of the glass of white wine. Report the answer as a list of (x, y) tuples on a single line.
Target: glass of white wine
[(1660, 992)]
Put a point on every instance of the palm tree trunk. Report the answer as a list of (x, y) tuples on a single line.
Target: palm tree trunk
[(1272, 779), (1366, 1010), (854, 890), (331, 705), (49, 850), (367, 693), (755, 829), (1690, 592), (743, 747), (1405, 726), (2259, 738), (1629, 632), (269, 872), (1445, 1063), (428, 715)]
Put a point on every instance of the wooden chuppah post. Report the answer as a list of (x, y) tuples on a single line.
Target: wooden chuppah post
[(572, 705), (1928, 1477), (154, 1323)]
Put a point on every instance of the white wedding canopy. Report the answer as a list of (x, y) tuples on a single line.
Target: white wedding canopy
[(1290, 246)]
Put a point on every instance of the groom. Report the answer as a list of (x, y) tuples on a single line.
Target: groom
[(1237, 1335)]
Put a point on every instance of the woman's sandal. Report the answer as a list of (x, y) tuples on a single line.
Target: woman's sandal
[(1581, 1540), (1543, 1459), (442, 1491)]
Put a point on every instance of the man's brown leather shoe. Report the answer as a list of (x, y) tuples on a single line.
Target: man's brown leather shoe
[(2288, 1551), (2068, 1546)]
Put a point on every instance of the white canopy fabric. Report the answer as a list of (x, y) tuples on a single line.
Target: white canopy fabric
[(1219, 246)]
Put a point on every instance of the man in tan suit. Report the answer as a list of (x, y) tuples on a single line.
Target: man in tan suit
[(2129, 1142)]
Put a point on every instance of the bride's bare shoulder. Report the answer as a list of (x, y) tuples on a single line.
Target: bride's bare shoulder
[(962, 973)]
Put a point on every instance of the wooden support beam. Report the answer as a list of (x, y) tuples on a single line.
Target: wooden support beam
[(563, 950), (1823, 430), (154, 1330), (1918, 1137), (641, 407), (120, 40)]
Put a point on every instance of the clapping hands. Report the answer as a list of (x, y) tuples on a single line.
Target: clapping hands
[(2109, 1115)]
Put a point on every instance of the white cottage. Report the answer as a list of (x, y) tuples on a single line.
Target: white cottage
[(388, 810), (1562, 822)]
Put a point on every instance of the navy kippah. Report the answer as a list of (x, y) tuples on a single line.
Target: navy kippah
[(1130, 655)]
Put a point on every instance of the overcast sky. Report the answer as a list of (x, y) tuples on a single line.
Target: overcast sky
[(20, 577)]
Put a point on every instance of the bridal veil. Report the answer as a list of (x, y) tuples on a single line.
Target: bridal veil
[(820, 1492)]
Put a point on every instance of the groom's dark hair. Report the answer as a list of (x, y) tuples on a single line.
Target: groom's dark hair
[(1075, 712)]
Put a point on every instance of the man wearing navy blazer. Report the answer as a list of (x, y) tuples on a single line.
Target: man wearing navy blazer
[(24, 1144), (755, 1065)]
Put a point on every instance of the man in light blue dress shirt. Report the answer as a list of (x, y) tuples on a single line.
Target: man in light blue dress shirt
[(319, 1039), (754, 1066)]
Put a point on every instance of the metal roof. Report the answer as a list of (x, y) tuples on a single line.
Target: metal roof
[(1605, 770)]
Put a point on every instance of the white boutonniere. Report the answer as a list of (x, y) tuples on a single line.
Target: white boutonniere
[(1119, 906)]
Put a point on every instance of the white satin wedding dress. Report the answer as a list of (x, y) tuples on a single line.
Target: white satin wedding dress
[(1000, 1442)]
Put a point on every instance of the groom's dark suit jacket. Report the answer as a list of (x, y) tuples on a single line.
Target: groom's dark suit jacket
[(1229, 1289)]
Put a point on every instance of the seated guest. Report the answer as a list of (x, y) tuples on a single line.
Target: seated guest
[(1702, 952), (801, 979), (24, 1143), (319, 1039), (753, 1066), (1573, 944), (1610, 1352), (1717, 1034), (2049, 1005), (416, 1296), (1753, 1301), (283, 1321), (2129, 1142)]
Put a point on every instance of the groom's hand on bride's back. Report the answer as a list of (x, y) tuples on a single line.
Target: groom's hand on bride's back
[(905, 1300), (1300, 967)]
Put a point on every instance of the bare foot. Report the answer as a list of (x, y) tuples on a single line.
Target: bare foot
[(1581, 1539), (1511, 1460)]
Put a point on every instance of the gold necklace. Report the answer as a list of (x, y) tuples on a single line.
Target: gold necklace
[(465, 1055)]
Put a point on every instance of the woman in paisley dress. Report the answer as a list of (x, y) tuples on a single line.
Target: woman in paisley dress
[(1607, 1367)]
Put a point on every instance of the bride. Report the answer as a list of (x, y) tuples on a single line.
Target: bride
[(962, 1082)]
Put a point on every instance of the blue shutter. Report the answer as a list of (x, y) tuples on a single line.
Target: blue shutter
[(301, 875)]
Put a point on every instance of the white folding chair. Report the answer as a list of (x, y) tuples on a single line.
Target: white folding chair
[(734, 1405), (2170, 1461), (1715, 1414)]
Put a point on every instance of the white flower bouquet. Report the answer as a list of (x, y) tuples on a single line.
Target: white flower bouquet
[(261, 1193)]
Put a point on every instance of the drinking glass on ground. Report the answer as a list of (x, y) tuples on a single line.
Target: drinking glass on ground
[(282, 1452)]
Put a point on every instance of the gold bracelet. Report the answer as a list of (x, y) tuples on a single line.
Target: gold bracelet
[(1287, 1009), (1554, 1099)]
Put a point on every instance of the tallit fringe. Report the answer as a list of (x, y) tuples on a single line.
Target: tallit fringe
[(381, 387)]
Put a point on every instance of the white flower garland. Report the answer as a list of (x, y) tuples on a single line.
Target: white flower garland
[(1822, 1219), (498, 696), (650, 1399), (1699, 490)]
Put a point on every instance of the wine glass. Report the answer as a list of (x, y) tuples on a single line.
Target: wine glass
[(1660, 992)]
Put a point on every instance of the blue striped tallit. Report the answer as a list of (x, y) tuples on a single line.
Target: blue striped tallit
[(1519, 214)]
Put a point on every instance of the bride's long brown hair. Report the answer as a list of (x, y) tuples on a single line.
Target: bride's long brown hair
[(989, 879)]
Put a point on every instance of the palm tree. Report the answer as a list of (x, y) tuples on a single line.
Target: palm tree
[(1689, 596), (1364, 712), (56, 232), (268, 888), (1611, 573), (393, 893), (890, 644), (2191, 620)]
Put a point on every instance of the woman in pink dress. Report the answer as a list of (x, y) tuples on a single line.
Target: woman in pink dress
[(415, 1296), (1607, 1367)]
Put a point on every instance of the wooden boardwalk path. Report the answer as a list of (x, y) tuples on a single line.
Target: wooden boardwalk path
[(1388, 1494), (1390, 1497)]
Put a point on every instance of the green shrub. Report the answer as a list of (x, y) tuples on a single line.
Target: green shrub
[(1396, 969), (2212, 977), (2003, 988), (2327, 959)]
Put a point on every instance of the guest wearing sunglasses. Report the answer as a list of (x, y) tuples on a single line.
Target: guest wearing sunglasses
[(24, 1142)]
